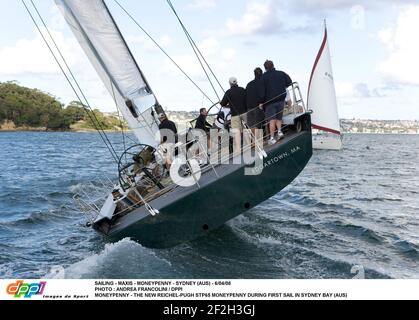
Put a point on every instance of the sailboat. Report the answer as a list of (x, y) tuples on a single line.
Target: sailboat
[(322, 101), (150, 207)]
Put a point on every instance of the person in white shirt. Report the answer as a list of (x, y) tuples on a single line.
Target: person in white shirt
[(223, 119)]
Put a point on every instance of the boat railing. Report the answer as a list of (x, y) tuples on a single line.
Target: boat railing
[(297, 107), (91, 205), (144, 191), (90, 197)]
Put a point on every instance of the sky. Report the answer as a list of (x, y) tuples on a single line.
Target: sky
[(374, 47)]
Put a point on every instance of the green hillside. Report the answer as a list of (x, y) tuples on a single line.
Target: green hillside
[(32, 108)]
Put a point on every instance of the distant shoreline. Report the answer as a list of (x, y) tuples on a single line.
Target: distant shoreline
[(9, 126), (127, 131), (59, 131)]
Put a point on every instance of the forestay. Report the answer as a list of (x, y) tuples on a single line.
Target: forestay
[(103, 43)]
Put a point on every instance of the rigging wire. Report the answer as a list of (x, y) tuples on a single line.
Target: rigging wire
[(89, 111), (201, 56), (194, 45), (121, 124), (104, 138), (195, 49), (162, 50)]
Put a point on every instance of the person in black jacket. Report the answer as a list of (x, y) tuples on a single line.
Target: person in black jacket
[(201, 122), (254, 97), (166, 124), (276, 84), (204, 125), (235, 99), (168, 136)]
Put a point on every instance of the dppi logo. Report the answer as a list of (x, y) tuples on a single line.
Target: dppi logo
[(27, 290)]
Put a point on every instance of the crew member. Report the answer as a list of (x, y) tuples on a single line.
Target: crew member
[(275, 84)]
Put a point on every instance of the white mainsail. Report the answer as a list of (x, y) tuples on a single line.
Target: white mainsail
[(100, 38), (322, 96)]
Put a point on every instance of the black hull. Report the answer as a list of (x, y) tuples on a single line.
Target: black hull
[(189, 213)]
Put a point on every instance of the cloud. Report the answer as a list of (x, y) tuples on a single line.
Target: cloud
[(32, 55), (209, 46), (358, 21), (229, 54), (56, 19), (401, 65), (273, 16), (143, 42), (165, 41), (188, 63), (294, 16), (346, 90), (361, 90), (202, 4), (259, 18), (30, 62), (316, 6)]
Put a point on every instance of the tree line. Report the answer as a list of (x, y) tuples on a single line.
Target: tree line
[(37, 109)]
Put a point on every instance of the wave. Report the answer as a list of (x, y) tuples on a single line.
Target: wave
[(356, 231), (376, 199), (310, 206), (407, 248), (6, 271), (298, 258), (58, 194), (331, 217), (65, 212), (297, 198), (96, 186), (125, 259)]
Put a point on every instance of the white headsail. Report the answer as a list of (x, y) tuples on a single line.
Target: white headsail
[(321, 92), (103, 43)]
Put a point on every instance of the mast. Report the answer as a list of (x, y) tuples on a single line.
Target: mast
[(98, 34)]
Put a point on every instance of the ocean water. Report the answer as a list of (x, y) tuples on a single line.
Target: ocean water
[(348, 210)]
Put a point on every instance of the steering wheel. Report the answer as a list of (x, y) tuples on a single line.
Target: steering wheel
[(129, 159)]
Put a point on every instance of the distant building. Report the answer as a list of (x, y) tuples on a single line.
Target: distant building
[(380, 126)]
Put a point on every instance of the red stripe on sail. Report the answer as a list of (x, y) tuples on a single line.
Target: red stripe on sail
[(319, 55), (325, 129)]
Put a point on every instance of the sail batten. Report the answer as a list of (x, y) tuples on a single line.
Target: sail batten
[(95, 29)]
